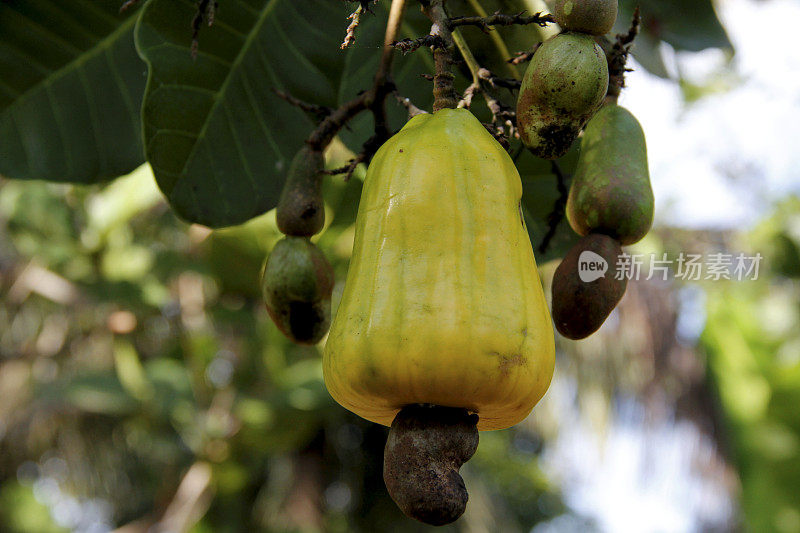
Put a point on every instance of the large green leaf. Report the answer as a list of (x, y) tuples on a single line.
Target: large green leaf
[(70, 91), (218, 138), (690, 25)]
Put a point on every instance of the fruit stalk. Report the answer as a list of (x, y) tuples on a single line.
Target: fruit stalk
[(444, 92)]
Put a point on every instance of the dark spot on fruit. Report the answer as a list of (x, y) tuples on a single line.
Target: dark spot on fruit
[(309, 212), (303, 320), (507, 362), (557, 138)]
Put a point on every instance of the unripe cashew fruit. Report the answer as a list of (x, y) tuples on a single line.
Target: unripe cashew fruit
[(595, 17), (301, 208), (564, 85), (297, 282), (585, 286), (610, 191)]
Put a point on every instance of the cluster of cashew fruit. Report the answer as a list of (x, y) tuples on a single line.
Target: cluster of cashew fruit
[(610, 200), (443, 329), (297, 280)]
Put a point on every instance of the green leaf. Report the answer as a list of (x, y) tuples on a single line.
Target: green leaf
[(690, 25), (647, 53), (218, 138), (540, 196), (70, 91)]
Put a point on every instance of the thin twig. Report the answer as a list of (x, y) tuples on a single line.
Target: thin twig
[(500, 19), (383, 84), (618, 58), (127, 4), (368, 150), (347, 169), (497, 40), (498, 133), (350, 34), (502, 115), (212, 13), (410, 45), (318, 111), (557, 214), (330, 126), (466, 100), (206, 10), (521, 57), (506, 83), (365, 4), (524, 57), (406, 102)]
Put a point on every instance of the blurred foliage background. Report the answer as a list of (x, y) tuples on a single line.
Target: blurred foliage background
[(144, 388), (144, 385)]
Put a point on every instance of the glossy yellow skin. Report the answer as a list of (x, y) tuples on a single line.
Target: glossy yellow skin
[(442, 303)]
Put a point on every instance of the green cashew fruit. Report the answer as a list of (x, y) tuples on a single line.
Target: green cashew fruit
[(611, 192), (301, 209), (585, 286), (564, 85), (297, 282), (595, 17)]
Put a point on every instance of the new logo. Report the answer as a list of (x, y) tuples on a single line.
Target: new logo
[(591, 266)]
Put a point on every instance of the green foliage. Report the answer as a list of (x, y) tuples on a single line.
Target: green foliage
[(70, 91), (203, 376), (752, 338), (686, 25), (218, 137), (541, 196), (135, 346), (20, 512)]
